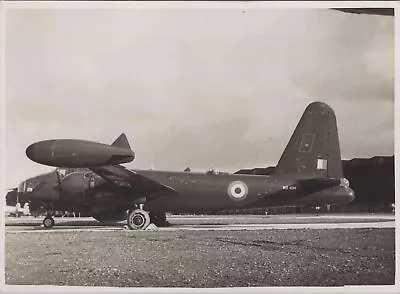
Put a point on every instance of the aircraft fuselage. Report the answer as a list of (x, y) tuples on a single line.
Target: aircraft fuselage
[(228, 191), (85, 191)]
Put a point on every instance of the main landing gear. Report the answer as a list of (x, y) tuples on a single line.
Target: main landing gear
[(138, 219), (159, 219)]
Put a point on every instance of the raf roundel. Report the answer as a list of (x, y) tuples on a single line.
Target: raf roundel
[(238, 190)]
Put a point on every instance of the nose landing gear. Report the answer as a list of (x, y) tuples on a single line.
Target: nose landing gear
[(48, 222)]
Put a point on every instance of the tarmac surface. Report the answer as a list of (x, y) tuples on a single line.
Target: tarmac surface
[(204, 251), (210, 223)]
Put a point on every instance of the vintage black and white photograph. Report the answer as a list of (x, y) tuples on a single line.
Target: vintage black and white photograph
[(199, 145)]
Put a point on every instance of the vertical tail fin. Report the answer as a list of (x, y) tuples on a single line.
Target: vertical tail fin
[(313, 148)]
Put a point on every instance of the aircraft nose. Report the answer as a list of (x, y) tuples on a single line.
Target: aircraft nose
[(12, 198)]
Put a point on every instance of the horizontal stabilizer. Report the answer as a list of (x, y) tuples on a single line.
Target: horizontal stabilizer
[(318, 184), (121, 142)]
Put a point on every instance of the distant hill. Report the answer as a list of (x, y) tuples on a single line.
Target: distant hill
[(372, 179)]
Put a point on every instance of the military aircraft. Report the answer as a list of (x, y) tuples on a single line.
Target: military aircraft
[(90, 179)]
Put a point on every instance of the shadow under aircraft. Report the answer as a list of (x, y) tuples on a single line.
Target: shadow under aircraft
[(90, 179)]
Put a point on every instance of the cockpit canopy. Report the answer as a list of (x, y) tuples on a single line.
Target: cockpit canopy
[(62, 171)]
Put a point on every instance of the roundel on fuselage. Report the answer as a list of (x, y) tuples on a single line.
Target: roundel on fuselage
[(238, 190)]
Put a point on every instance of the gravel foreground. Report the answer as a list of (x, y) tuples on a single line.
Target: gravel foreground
[(262, 258)]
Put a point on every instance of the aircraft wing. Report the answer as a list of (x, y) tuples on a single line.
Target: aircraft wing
[(123, 177)]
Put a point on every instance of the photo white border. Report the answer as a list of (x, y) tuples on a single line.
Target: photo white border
[(6, 6)]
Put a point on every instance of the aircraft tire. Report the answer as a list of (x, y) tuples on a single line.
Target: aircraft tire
[(138, 219), (48, 222), (159, 219)]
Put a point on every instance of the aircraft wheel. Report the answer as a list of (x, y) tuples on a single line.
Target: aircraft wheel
[(138, 219), (159, 219), (48, 222)]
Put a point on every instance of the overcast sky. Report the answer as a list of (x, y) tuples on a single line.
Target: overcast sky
[(199, 88)]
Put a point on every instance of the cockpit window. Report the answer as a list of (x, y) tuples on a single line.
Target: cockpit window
[(62, 172), (21, 187)]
